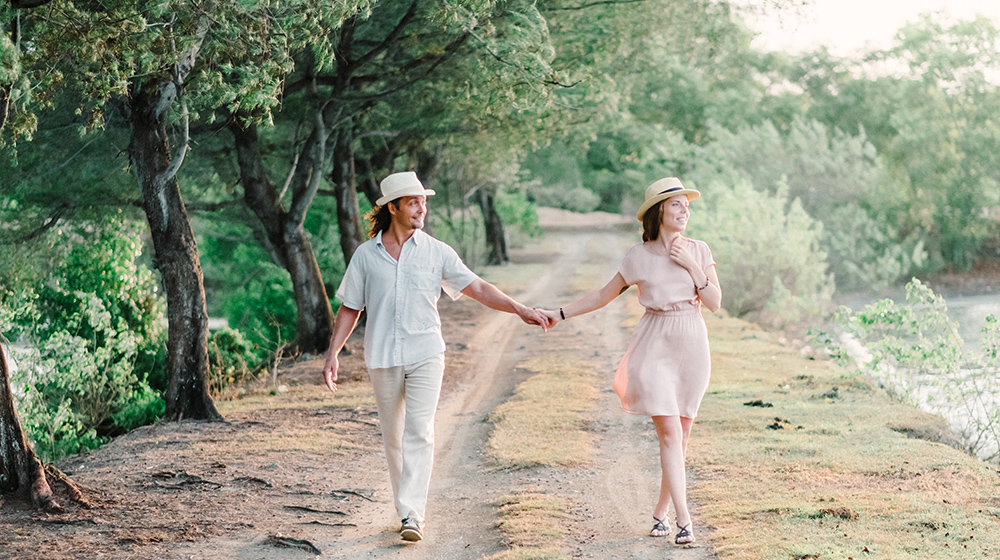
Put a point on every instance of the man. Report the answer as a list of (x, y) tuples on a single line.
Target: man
[(398, 276)]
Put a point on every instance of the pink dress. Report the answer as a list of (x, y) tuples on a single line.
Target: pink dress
[(666, 368)]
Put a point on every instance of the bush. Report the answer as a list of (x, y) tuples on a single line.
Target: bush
[(915, 352), (567, 197), (518, 214), (88, 341), (767, 249), (232, 359), (865, 254), (253, 293)]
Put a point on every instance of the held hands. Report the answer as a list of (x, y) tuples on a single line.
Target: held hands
[(535, 316), (553, 317)]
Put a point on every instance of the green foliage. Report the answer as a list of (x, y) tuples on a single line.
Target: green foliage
[(92, 343), (865, 252), (915, 352), (771, 266), (519, 215), (931, 118), (253, 294), (231, 357), (461, 227)]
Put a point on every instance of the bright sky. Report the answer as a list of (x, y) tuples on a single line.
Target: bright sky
[(845, 26)]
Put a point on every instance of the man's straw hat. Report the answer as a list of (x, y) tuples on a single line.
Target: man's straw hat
[(401, 184)]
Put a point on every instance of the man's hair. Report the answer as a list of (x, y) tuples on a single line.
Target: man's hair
[(379, 219), (651, 221)]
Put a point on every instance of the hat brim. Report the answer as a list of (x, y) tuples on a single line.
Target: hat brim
[(691, 195), (405, 192)]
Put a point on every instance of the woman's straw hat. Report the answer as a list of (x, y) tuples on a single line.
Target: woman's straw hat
[(401, 184), (662, 190)]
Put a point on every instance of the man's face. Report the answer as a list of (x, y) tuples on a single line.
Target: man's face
[(409, 212)]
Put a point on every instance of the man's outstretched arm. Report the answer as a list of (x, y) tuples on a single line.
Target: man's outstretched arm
[(343, 326), (491, 296)]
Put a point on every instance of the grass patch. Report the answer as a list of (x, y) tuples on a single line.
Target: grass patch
[(348, 395), (314, 442), (534, 526), (528, 554), (829, 470), (542, 424)]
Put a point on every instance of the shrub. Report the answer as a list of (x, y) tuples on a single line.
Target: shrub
[(518, 214), (865, 254), (232, 359), (88, 340), (767, 253), (569, 197), (263, 308), (915, 352)]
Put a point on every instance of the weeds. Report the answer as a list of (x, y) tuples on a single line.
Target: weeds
[(915, 352)]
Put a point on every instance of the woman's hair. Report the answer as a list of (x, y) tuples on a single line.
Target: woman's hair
[(651, 221), (379, 219)]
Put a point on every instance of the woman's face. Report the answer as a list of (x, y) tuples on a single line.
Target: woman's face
[(675, 214)]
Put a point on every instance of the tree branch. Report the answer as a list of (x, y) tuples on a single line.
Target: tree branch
[(49, 224), (391, 37), (589, 5), (27, 4)]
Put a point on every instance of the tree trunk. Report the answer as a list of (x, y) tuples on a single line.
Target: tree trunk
[(176, 257), (287, 237), (496, 237), (20, 470), (344, 186), (176, 253)]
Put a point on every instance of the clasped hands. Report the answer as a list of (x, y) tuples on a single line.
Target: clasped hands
[(541, 317)]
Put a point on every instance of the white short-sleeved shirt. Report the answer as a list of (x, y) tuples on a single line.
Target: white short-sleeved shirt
[(403, 325)]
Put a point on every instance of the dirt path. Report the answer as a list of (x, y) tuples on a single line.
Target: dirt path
[(305, 464), (613, 496)]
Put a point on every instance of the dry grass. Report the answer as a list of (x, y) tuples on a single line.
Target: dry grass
[(534, 526), (313, 441), (543, 424), (528, 554), (828, 470), (349, 395)]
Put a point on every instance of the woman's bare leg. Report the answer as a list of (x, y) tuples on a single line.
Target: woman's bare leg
[(672, 433)]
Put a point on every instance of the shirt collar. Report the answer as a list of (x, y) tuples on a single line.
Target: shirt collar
[(416, 238)]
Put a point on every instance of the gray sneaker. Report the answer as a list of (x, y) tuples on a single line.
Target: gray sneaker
[(412, 530)]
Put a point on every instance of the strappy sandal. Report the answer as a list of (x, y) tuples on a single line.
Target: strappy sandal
[(684, 535), (659, 527)]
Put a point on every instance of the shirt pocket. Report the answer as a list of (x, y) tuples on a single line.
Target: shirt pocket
[(425, 279)]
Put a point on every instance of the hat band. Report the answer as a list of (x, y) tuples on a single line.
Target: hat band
[(672, 189)]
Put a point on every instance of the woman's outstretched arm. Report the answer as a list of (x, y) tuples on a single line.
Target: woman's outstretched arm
[(592, 301)]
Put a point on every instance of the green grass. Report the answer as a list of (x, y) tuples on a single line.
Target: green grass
[(839, 475)]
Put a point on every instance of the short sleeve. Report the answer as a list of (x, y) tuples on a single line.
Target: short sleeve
[(455, 276), (352, 287), (705, 257), (630, 266)]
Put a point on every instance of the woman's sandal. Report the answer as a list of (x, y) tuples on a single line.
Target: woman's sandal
[(684, 535), (659, 529)]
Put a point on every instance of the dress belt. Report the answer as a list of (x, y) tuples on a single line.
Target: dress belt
[(677, 311)]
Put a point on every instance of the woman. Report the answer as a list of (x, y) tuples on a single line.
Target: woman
[(665, 371)]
